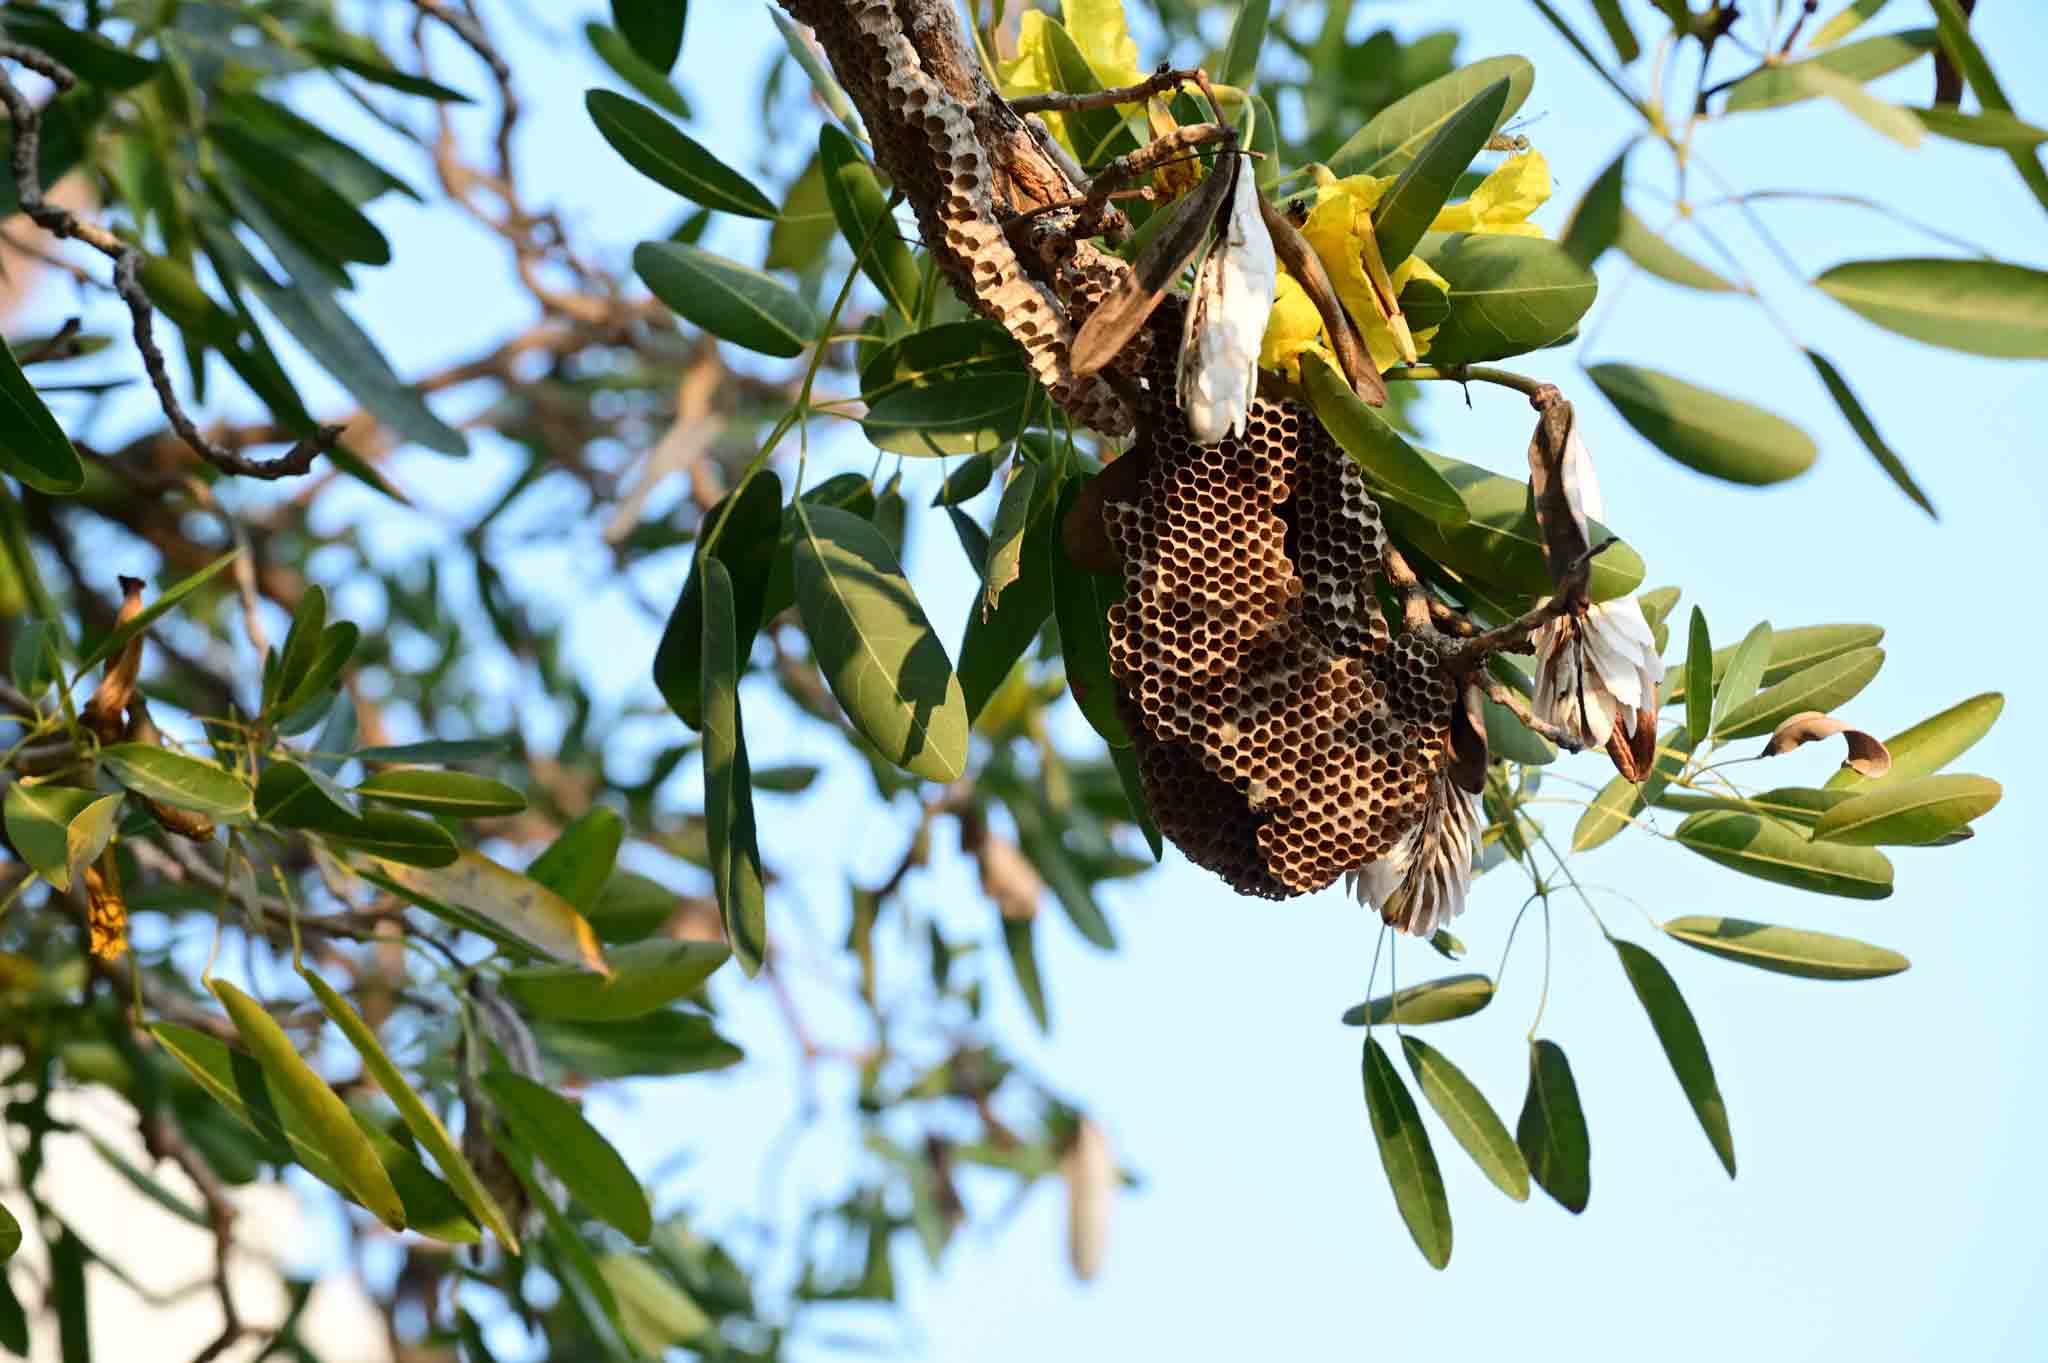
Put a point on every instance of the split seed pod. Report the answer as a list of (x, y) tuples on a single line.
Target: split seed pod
[(1226, 321)]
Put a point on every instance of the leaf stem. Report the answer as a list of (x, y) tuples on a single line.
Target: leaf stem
[(1469, 373)]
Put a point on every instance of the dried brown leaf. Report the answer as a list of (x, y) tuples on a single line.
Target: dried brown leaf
[(1564, 534), (1867, 753)]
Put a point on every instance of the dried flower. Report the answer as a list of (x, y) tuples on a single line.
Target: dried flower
[(1421, 884), (1226, 319)]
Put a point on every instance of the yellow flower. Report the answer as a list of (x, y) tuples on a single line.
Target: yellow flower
[(1339, 229), (1098, 30)]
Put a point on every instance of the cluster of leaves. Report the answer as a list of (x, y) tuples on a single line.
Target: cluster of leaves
[(515, 921)]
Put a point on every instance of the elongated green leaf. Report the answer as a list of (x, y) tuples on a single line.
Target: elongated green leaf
[(1471, 1119), (1649, 251), (671, 158), (971, 414), (1621, 799), (1788, 951), (1552, 1130), (862, 211), (360, 57), (1962, 49), (1425, 184), (1823, 687), (1406, 1155), (1980, 307), (300, 200), (1866, 430), (1909, 813), (175, 779), (644, 976), (653, 27), (748, 525), (726, 298), (1788, 804), (436, 750), (454, 794), (656, 1312), (1393, 137), (1699, 677), (419, 1119), (166, 600), (1773, 851), (392, 836), (1618, 31), (1509, 294), (1241, 50), (1390, 464), (1683, 1046), (1930, 745), (1019, 946), (34, 447), (478, 889), (578, 863), (1889, 119), (39, 820), (800, 47), (1039, 838), (1845, 21), (303, 640), (728, 790), (1500, 545), (1132, 780), (1788, 651), (1454, 996), (1862, 61), (556, 1130), (325, 1114), (294, 796), (1718, 435), (359, 179), (877, 649), (652, 82), (1081, 602), (939, 355), (1596, 223), (667, 1041), (1984, 128)]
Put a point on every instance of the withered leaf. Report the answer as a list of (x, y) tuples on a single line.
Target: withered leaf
[(1867, 753)]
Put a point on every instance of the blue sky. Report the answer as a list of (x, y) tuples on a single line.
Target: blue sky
[(1891, 1188)]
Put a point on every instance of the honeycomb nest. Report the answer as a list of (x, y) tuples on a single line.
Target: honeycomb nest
[(1285, 735)]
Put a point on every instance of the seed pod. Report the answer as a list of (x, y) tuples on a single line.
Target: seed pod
[(103, 711)]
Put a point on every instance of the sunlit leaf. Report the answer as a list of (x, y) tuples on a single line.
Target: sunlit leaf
[(1981, 307), (730, 838), (1699, 676), (166, 600), (1683, 1045), (644, 976), (1406, 1155), (477, 888), (656, 1312), (1773, 851), (1962, 48), (1471, 1119), (578, 864), (1918, 811), (1508, 294), (1862, 61), (617, 51), (1425, 184), (1241, 50), (1390, 464), (1984, 128), (1596, 223), (969, 414), (1889, 119), (454, 794), (1788, 951), (1715, 434), (1930, 745), (666, 1041), (175, 779), (653, 27), (39, 819), (1651, 252), (1788, 651), (1393, 136), (1822, 687)]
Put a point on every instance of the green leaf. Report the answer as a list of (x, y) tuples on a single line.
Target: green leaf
[(748, 524), (1022, 950), (877, 649), (1823, 687), (13, 1319), (1500, 545), (1552, 1129), (965, 481), (799, 44), (556, 1130), (1969, 59), (1081, 602), (1788, 651), (654, 1311), (644, 976), (1508, 295), (1861, 61), (1909, 813), (1040, 838), (1098, 135), (1788, 951), (435, 750), (361, 57), (672, 159), (359, 179), (1425, 184), (1618, 31), (10, 1241), (1788, 804), (1845, 21), (166, 600), (391, 836), (804, 227), (1406, 1155), (1125, 760), (474, 890), (667, 1042), (333, 1129), (419, 1119), (971, 414), (1393, 137), (39, 821), (1390, 464), (1773, 851), (1896, 123), (1621, 799), (1596, 223), (1718, 435), (1683, 1045), (653, 27), (939, 356), (997, 636), (1508, 739), (88, 56), (1930, 745), (452, 794), (1866, 430), (1980, 307), (726, 298), (1241, 50), (1454, 996), (1984, 128), (175, 779), (176, 291), (301, 201), (577, 865), (308, 620), (730, 838), (1699, 677), (1464, 1109), (862, 211), (1650, 252)]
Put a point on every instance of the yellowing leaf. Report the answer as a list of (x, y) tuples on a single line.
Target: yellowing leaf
[(515, 904)]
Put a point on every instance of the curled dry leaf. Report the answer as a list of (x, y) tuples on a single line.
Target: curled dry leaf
[(102, 713), (1089, 1168), (1634, 751), (1867, 753)]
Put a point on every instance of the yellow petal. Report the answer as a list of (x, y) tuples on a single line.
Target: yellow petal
[(1099, 30), (1503, 201), (1292, 327)]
